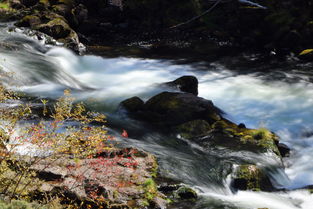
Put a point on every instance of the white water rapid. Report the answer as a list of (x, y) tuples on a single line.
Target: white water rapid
[(281, 101)]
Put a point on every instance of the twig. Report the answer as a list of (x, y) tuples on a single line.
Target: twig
[(199, 16)]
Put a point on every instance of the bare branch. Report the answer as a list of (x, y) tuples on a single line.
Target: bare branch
[(197, 17)]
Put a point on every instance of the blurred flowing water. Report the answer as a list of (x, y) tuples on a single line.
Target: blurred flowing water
[(273, 95)]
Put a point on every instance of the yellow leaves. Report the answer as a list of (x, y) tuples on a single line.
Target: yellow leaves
[(44, 101), (67, 92), (306, 51)]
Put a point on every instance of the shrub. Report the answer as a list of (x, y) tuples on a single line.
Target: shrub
[(68, 133)]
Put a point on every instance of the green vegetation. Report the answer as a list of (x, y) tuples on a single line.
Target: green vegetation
[(150, 189), (4, 5), (252, 176), (18, 178), (20, 204)]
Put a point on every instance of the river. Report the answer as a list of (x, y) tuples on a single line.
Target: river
[(260, 93)]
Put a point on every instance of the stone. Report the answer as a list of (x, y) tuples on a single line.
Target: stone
[(250, 177), (56, 28), (29, 3), (188, 84), (133, 104), (177, 108), (185, 193), (29, 21), (284, 150)]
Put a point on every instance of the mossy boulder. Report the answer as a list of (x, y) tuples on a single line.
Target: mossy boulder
[(170, 108), (250, 177), (236, 137), (198, 120)]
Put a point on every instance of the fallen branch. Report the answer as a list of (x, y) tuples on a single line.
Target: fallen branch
[(197, 17)]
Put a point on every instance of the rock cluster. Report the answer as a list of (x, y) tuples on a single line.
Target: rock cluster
[(199, 121)]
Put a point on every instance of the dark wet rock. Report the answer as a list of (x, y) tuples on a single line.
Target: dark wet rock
[(62, 9), (176, 108), (176, 191), (132, 105), (185, 193), (284, 150), (241, 125), (250, 177), (29, 3), (49, 176), (188, 84), (16, 4), (80, 13), (3, 138)]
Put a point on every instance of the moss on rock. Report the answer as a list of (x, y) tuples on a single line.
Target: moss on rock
[(185, 193), (193, 129), (56, 28), (259, 140), (29, 21), (250, 177)]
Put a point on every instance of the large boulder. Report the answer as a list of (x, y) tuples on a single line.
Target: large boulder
[(198, 120), (169, 108), (54, 25)]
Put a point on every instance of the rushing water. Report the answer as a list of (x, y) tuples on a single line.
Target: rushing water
[(276, 96)]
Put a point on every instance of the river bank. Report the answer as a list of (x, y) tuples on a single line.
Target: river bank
[(275, 28)]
